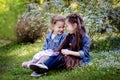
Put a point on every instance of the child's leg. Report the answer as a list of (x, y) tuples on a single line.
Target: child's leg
[(55, 62), (43, 59), (37, 56), (52, 63), (42, 56), (26, 64), (34, 60)]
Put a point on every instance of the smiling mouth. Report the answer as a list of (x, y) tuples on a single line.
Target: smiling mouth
[(60, 32)]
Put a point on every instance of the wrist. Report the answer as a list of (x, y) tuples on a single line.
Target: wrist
[(70, 53)]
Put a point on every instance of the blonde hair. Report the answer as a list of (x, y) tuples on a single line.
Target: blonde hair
[(56, 18)]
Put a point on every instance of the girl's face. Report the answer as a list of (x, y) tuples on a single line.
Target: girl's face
[(70, 27), (58, 28)]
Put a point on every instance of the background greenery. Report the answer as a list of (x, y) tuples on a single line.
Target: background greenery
[(102, 20), (10, 11), (99, 15)]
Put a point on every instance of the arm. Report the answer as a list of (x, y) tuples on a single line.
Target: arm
[(68, 52), (86, 47), (45, 44), (81, 53)]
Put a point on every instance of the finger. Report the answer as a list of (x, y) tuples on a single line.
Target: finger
[(65, 55), (62, 51)]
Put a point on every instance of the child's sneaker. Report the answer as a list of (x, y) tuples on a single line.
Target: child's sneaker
[(39, 68), (34, 74)]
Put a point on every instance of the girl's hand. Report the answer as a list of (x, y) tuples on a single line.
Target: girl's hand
[(65, 52)]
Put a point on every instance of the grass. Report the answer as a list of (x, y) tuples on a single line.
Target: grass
[(105, 64)]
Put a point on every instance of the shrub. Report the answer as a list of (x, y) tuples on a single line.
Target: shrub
[(30, 26), (114, 16), (99, 15)]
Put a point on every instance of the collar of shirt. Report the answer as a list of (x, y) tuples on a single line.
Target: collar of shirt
[(58, 36)]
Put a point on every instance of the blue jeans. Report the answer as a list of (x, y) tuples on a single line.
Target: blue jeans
[(55, 62)]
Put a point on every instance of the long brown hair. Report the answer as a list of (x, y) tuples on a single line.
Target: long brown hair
[(78, 35)]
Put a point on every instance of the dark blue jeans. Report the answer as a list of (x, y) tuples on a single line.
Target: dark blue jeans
[(55, 62)]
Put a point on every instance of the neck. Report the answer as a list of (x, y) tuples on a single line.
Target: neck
[(53, 35)]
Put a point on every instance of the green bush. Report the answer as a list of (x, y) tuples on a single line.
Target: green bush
[(30, 26), (95, 13), (107, 41), (100, 16), (114, 16)]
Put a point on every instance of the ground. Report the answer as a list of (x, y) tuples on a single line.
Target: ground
[(104, 65)]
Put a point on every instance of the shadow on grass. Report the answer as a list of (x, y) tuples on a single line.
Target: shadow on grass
[(6, 56)]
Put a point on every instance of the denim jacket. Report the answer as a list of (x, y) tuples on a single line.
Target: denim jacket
[(53, 43), (85, 51)]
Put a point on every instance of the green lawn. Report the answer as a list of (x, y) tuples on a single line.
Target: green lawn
[(105, 64)]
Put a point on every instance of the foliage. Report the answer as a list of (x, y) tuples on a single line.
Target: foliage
[(105, 41), (95, 13), (114, 16), (10, 11), (30, 26), (99, 16)]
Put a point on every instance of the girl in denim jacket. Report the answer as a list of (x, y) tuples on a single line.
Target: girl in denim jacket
[(73, 52), (52, 41)]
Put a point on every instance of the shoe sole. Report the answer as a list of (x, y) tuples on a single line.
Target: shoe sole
[(38, 75), (38, 69)]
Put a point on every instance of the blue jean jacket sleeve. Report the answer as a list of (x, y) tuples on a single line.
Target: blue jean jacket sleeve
[(85, 47), (45, 45)]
